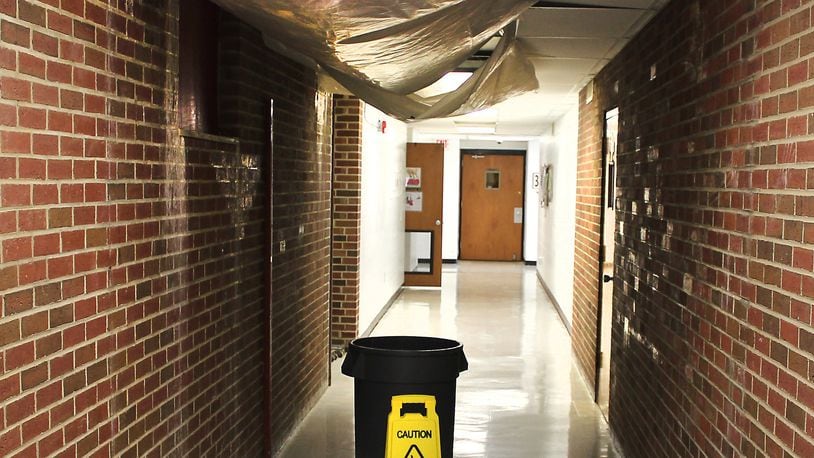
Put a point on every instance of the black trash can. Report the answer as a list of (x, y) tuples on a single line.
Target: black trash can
[(404, 395)]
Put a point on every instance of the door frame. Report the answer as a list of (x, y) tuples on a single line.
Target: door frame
[(604, 195), (269, 281), (492, 152)]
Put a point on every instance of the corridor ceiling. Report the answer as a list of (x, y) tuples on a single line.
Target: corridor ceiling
[(386, 51), (568, 42)]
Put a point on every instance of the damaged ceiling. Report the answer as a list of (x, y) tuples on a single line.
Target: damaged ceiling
[(389, 51), (385, 50), (568, 43)]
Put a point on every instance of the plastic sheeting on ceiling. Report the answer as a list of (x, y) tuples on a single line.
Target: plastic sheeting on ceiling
[(385, 50)]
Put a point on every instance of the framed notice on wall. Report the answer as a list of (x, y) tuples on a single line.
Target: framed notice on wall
[(414, 199), (546, 185), (413, 177)]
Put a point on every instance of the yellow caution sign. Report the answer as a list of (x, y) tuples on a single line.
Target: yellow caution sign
[(412, 428)]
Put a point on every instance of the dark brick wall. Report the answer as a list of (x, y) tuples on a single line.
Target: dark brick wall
[(251, 75), (713, 345), (347, 207), (133, 259)]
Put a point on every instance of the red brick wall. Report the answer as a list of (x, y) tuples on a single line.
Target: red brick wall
[(347, 195), (714, 258), (135, 316), (586, 239)]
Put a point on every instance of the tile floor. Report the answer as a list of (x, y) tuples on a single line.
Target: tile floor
[(522, 395)]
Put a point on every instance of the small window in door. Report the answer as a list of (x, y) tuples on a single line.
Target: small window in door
[(492, 179)]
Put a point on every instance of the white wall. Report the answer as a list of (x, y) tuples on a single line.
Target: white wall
[(381, 263), (452, 189), (557, 222), (532, 204), (452, 199)]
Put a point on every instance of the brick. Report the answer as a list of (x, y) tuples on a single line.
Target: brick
[(9, 386), (58, 121), (16, 249), (47, 294), (60, 169), (9, 332), (73, 240), (31, 220), (61, 315), (72, 51), (34, 376), (16, 142), (71, 193), (9, 440), (15, 34), (32, 168), (46, 44), (8, 167), (34, 324), (20, 409), (8, 116), (96, 237), (59, 267), (14, 88), (8, 7), (18, 302), (45, 145), (51, 443), (60, 217), (8, 278), (32, 65), (15, 195), (32, 272), (49, 345)]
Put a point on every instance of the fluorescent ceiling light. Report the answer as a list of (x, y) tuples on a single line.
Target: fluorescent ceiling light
[(475, 128)]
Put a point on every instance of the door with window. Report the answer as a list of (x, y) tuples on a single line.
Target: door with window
[(423, 212), (492, 205)]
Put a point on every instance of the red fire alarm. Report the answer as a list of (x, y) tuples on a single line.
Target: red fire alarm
[(384, 125)]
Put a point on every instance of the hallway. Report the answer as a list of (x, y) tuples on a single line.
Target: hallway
[(522, 396)]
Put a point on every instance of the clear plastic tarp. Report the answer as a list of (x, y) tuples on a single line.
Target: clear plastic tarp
[(384, 51)]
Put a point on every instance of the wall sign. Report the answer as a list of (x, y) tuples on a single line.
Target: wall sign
[(546, 185), (413, 177), (414, 200)]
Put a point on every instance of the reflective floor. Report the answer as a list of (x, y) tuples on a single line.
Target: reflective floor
[(522, 395)]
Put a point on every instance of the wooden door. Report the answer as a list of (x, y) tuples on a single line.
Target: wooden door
[(422, 221), (492, 207)]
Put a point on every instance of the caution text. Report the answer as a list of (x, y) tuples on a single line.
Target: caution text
[(415, 434)]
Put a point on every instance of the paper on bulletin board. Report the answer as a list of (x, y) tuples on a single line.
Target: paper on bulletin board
[(413, 177), (414, 200)]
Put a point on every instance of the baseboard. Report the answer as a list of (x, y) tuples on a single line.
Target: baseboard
[(556, 304), (531, 263), (382, 312), (449, 261)]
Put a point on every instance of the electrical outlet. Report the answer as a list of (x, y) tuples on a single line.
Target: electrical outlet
[(282, 246)]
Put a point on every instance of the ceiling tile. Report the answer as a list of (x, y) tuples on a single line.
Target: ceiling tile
[(577, 22), (563, 65), (640, 4), (569, 47)]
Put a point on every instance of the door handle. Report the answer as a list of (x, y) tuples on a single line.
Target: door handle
[(438, 222), (606, 278)]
